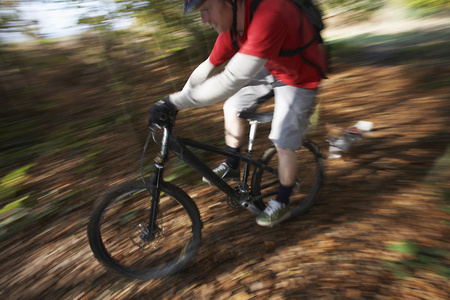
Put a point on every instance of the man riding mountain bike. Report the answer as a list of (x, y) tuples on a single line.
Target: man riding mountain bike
[(250, 41)]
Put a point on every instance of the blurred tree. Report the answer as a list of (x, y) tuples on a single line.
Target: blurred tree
[(157, 13), (362, 7), (10, 20), (166, 15), (442, 4), (163, 20)]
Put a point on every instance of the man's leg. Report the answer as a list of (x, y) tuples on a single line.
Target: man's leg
[(293, 107), (287, 166), (235, 127), (246, 99), (287, 170)]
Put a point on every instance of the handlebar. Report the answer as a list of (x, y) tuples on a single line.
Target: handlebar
[(164, 121)]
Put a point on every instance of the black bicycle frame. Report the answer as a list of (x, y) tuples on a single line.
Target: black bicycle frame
[(178, 146)]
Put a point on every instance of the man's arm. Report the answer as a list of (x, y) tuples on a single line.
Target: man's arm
[(205, 70), (239, 71)]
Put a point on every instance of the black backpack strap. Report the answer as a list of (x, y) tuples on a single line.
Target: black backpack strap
[(321, 73), (299, 50), (289, 53), (233, 31), (253, 7), (233, 41)]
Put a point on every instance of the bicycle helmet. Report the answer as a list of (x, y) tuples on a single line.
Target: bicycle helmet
[(190, 5)]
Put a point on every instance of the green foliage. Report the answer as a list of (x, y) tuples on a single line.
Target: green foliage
[(91, 164), (355, 5), (10, 186), (423, 8), (359, 8), (438, 4), (48, 113), (22, 217), (164, 20), (445, 195), (419, 257), (431, 47), (407, 247), (13, 201)]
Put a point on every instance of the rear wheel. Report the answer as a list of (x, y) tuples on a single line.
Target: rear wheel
[(309, 178), (120, 237)]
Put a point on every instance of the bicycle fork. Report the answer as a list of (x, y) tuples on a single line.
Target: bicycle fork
[(155, 182)]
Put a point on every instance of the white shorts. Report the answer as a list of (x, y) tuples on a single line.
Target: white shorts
[(293, 107)]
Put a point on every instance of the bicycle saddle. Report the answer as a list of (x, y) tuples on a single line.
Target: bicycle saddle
[(264, 117)]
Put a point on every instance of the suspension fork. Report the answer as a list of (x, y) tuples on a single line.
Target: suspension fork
[(156, 179)]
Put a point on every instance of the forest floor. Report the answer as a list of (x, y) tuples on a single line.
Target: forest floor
[(380, 228)]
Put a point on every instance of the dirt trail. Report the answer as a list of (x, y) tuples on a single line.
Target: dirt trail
[(387, 190)]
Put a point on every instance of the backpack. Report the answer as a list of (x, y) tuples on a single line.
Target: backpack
[(315, 17)]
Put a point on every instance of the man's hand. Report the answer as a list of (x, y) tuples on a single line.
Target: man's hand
[(162, 113)]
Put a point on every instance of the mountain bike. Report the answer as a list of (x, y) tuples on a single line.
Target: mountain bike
[(151, 228)]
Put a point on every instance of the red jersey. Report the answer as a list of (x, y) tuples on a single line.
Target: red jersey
[(276, 25)]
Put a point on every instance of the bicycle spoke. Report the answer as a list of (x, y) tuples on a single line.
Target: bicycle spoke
[(128, 246)]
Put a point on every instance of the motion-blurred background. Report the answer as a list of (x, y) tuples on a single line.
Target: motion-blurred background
[(77, 78)]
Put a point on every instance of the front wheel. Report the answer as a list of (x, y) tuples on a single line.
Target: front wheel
[(309, 178), (120, 238)]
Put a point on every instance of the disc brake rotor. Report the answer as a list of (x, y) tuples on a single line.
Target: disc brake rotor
[(142, 238)]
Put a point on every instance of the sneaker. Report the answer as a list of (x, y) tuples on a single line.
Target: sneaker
[(226, 173), (274, 213)]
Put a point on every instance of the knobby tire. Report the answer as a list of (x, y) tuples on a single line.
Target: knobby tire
[(308, 183), (117, 226)]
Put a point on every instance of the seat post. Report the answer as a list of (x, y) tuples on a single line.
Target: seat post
[(252, 134)]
